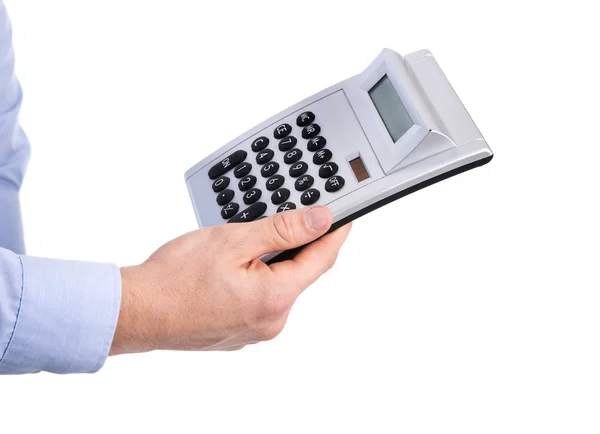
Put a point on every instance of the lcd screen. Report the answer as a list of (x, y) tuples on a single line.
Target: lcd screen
[(394, 115)]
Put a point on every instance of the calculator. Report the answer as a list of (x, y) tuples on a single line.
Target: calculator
[(360, 144)]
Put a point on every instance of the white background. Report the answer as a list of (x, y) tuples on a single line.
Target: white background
[(472, 306)]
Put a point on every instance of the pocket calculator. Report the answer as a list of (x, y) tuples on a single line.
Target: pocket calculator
[(358, 145)]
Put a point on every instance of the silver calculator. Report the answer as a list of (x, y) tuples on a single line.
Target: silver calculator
[(358, 145)]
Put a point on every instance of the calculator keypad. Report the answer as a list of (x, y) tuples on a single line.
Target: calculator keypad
[(242, 170), (225, 197), (298, 169), (287, 143), (265, 156), (247, 183), (227, 164), (252, 196), (285, 187), (310, 131), (220, 184), (230, 210), (280, 196), (251, 213), (292, 156)]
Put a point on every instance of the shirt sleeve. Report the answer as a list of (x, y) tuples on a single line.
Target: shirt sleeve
[(56, 316)]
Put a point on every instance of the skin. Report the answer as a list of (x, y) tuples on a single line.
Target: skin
[(208, 289)]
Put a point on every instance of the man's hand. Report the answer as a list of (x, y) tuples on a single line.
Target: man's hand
[(208, 289)]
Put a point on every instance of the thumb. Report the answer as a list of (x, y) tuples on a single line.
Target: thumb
[(285, 231)]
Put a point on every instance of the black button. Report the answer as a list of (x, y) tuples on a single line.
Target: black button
[(305, 118), (304, 183), (286, 206), (322, 156), (311, 131), (252, 196), (269, 169), (230, 210), (274, 182), (242, 170), (334, 183), (251, 213), (220, 184), (265, 156), (298, 169), (292, 156), (282, 131), (287, 143), (225, 197), (247, 183), (280, 196), (310, 196), (260, 144), (226, 164), (328, 170), (316, 143)]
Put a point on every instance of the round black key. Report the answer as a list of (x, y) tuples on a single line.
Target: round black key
[(226, 164), (269, 169), (247, 183), (220, 184), (265, 156), (280, 196), (286, 206), (310, 131), (251, 213), (287, 143), (292, 156), (322, 156), (298, 169), (309, 197), (230, 210), (316, 143), (304, 182), (260, 144), (225, 197), (334, 183), (252, 196), (282, 131), (328, 170), (274, 182), (242, 170), (305, 118)]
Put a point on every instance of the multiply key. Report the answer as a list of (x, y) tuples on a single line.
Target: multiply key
[(227, 164), (251, 213)]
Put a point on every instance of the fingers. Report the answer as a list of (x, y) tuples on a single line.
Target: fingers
[(282, 231), (313, 260)]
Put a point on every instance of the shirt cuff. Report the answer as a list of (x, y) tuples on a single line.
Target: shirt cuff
[(67, 317)]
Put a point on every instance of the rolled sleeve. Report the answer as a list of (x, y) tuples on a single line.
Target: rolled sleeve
[(65, 318)]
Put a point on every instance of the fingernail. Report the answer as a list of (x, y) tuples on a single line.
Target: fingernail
[(317, 218)]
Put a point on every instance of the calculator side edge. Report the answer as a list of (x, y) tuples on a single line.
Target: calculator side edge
[(290, 254)]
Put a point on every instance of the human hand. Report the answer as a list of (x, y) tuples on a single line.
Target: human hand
[(208, 289)]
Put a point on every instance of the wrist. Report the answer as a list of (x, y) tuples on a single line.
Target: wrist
[(133, 333)]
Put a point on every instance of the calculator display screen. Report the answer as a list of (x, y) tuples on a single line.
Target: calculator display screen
[(393, 113)]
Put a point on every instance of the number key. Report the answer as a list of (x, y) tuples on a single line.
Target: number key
[(252, 196)]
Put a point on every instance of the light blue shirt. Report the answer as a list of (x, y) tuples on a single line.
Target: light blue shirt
[(56, 316)]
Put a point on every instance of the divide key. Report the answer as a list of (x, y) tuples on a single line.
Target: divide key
[(227, 164)]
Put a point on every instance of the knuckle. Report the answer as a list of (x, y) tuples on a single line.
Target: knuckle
[(284, 229), (270, 333), (332, 260)]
